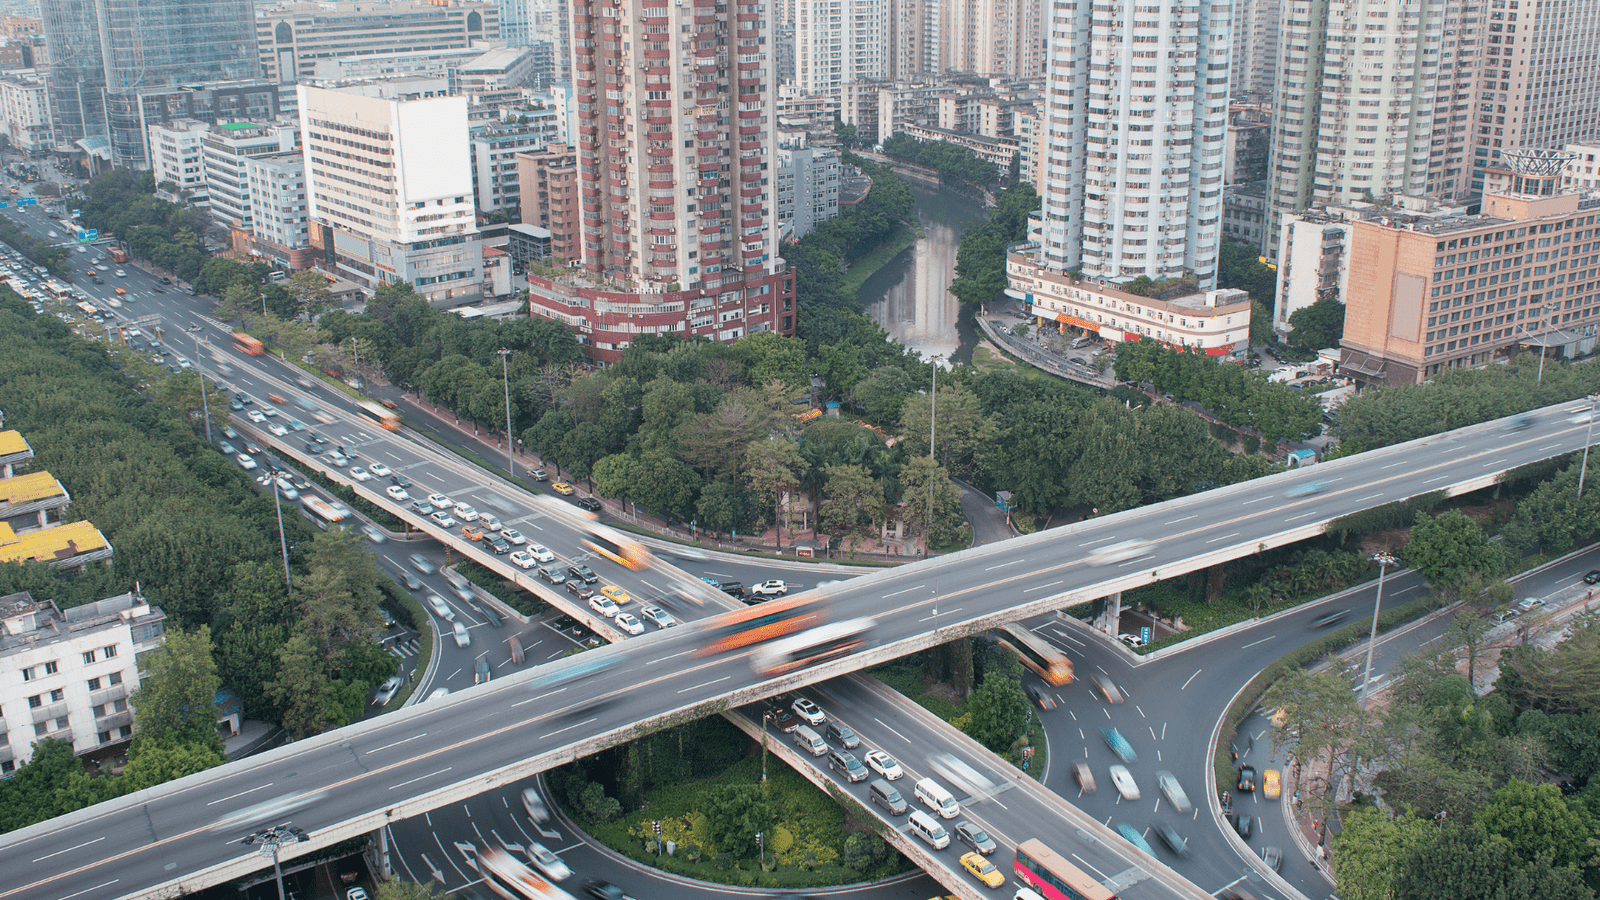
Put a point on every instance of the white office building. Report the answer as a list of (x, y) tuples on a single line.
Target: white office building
[(175, 160), (494, 156), (277, 185), (808, 189), (25, 112), (389, 190), (224, 151), (68, 674)]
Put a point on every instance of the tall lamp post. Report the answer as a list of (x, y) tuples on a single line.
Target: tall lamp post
[(205, 404), (505, 375), (1384, 561), (1594, 399), (1546, 310), (933, 419), (273, 838)]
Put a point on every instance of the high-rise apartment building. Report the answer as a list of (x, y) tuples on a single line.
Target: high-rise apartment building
[(1136, 115), (1255, 48), (278, 216), (674, 127), (839, 42), (914, 42), (291, 38), (992, 37), (516, 22), (389, 190), (105, 53)]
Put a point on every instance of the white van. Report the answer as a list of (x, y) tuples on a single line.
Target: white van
[(935, 797), (810, 741), (924, 826)]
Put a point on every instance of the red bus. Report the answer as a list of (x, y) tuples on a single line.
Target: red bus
[(1049, 873), (248, 344)]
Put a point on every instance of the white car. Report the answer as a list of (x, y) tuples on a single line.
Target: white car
[(884, 764), (278, 429), (256, 416), (774, 588), (513, 536), (628, 623), (121, 273), (467, 513), (522, 559), (1173, 790), (547, 862), (245, 461), (602, 604), (360, 474), (440, 608), (1123, 780), (380, 470), (462, 637), (269, 412), (1132, 640), (540, 552), (338, 460), (659, 616), (444, 520), (811, 713), (440, 501), (397, 493), (490, 523)]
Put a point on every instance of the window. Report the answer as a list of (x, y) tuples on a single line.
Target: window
[(35, 701), (57, 695), (27, 674), (88, 656), (94, 684), (114, 678), (50, 667)]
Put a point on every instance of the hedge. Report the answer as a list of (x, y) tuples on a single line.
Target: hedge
[(408, 609)]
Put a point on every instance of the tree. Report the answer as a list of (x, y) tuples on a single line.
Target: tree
[(1536, 822), (930, 505), (302, 688), (153, 762), (1463, 862), (1469, 631), (961, 434), (176, 699), (1318, 326), (397, 888), (773, 469), (1321, 711), (1446, 546), (852, 504), (999, 710), (339, 597), (734, 815), (882, 394), (1370, 848)]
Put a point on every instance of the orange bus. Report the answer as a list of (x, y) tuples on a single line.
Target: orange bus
[(248, 344), (764, 621), (385, 418)]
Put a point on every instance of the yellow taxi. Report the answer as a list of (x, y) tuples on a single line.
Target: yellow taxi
[(561, 487), (617, 595), (1271, 784), (982, 869)]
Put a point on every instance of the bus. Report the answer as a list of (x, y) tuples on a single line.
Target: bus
[(615, 546), (87, 308), (508, 878), (764, 621), (57, 291), (810, 648), (1045, 659), (326, 513), (1049, 873), (248, 344), (382, 416)]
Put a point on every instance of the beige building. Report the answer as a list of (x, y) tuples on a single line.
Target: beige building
[(293, 37), (1429, 293), (548, 184), (992, 37)]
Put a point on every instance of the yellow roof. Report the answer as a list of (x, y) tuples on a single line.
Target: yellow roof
[(12, 442), (30, 487), (50, 544)]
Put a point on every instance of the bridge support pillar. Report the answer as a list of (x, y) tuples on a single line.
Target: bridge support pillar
[(1109, 616), (378, 855)]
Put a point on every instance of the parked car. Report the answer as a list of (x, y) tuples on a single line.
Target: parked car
[(774, 588)]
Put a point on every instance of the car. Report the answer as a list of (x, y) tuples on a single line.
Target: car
[(975, 837), (1273, 857), (1323, 621), (618, 595), (1592, 577), (440, 501), (513, 536), (256, 416), (884, 764), (604, 606), (421, 506), (783, 720), (772, 588), (1119, 745), (522, 560), (387, 690), (338, 460), (982, 869), (538, 475), (466, 512), (1306, 489), (276, 429), (245, 462), (1530, 604), (583, 573), (547, 862), (578, 589), (227, 448), (401, 481), (499, 546), (810, 712), (295, 424), (1174, 841), (1041, 697), (373, 532), (628, 623), (533, 805), (604, 890), (355, 893), (444, 520), (120, 273), (440, 608), (397, 493), (422, 564), (380, 470), (235, 405), (562, 488), (412, 582), (1271, 784), (1133, 836), (459, 630), (1122, 780), (1174, 791), (1107, 688), (1132, 640), (1247, 779), (657, 616), (589, 503), (552, 574), (471, 532), (1084, 776), (488, 521), (269, 412), (540, 552), (731, 588), (1244, 825), (360, 474)]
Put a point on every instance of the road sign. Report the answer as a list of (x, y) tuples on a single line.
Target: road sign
[(1144, 633), (4, 203), (89, 234), (76, 213), (27, 201)]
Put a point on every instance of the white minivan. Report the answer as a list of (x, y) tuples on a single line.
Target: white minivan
[(932, 794), (924, 826)]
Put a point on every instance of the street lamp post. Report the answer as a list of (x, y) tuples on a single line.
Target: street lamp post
[(505, 375), (272, 839), (1384, 561), (1543, 341), (1594, 399), (205, 404)]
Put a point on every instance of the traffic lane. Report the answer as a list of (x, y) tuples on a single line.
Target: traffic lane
[(1274, 818)]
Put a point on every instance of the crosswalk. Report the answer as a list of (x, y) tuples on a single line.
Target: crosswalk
[(406, 648)]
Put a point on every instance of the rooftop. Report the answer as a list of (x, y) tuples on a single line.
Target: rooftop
[(12, 442), (28, 488), (72, 543), (29, 623)]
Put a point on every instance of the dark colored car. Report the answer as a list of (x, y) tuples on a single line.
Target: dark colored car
[(1244, 825), (975, 837), (732, 588), (1325, 620), (498, 544), (1592, 577), (1038, 696), (400, 480), (1174, 841), (583, 573), (576, 588), (1247, 778), (589, 503), (604, 890), (784, 720)]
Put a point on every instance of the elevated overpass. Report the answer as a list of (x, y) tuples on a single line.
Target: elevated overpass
[(182, 836)]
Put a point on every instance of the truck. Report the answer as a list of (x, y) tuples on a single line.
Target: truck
[(120, 256)]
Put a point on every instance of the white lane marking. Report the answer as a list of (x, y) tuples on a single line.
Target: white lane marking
[(1301, 516), (1191, 678), (891, 730), (1042, 587), (1223, 538), (69, 849), (906, 591), (1262, 641), (570, 727), (1370, 497), (420, 778), (398, 743), (948, 612), (1004, 564), (1432, 480), (91, 890), (1392, 465), (240, 794), (1184, 519), (1098, 541), (1495, 463), (707, 684)]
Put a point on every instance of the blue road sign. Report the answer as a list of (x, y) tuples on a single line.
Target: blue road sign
[(27, 201), (89, 234), (4, 203), (1144, 633)]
